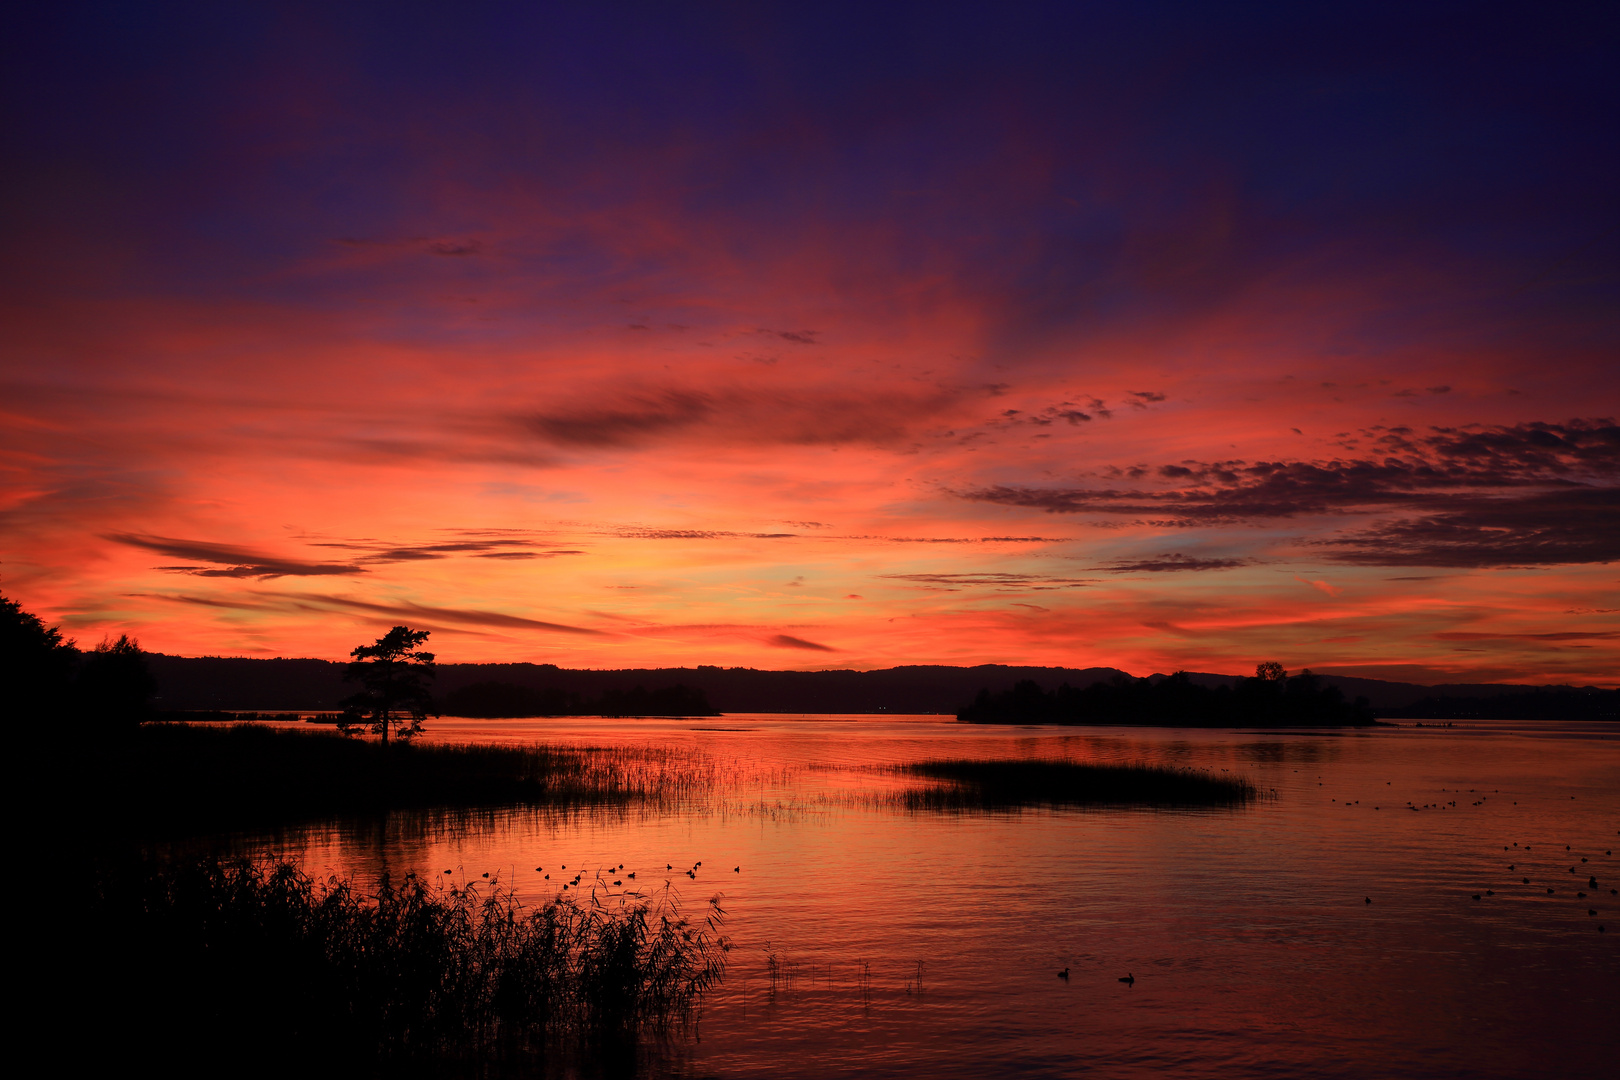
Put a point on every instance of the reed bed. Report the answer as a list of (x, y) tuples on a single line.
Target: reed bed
[(182, 777), (968, 785), (210, 957)]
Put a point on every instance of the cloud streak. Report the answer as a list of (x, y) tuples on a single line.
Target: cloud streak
[(788, 641), (1173, 563), (810, 416), (231, 562), (460, 616), (1006, 581)]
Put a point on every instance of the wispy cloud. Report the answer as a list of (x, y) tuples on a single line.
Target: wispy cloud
[(399, 610), (499, 547), (788, 641), (465, 616), (230, 561), (1008, 581), (1171, 563)]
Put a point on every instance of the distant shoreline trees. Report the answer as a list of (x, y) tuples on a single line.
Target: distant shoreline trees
[(1271, 698)]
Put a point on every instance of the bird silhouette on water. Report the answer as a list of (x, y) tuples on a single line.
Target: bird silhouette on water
[(1064, 974), (1128, 979)]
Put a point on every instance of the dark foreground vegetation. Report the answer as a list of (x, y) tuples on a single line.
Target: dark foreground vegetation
[(1271, 699), (1011, 784), (503, 699), (260, 968), (41, 672)]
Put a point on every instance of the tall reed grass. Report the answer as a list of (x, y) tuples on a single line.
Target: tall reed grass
[(229, 957)]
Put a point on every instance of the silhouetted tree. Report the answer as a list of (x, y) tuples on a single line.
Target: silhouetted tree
[(36, 665), (394, 673), (115, 687)]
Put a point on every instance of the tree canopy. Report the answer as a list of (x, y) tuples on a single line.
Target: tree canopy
[(393, 673), (36, 665), (42, 675)]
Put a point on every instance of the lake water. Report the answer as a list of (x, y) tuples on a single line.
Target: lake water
[(929, 944)]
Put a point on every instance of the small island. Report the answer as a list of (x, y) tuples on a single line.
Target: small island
[(1272, 698)]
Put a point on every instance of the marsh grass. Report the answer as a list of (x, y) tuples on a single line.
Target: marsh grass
[(210, 957), (967, 785), (171, 778)]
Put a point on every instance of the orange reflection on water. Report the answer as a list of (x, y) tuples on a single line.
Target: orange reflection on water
[(1249, 932)]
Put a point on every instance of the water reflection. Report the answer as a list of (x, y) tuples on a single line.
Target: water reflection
[(1250, 936)]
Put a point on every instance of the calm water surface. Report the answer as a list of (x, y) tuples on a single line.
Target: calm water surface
[(907, 943)]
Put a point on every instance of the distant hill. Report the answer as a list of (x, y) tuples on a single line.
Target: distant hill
[(244, 683)]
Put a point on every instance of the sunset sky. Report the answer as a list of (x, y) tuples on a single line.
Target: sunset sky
[(1153, 336)]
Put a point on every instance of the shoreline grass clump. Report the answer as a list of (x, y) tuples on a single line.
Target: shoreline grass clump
[(209, 956), (175, 778), (994, 784)]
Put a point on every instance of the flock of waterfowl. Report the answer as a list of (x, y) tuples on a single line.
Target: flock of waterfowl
[(1451, 804)]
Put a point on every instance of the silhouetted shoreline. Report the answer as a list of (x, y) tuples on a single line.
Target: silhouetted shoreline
[(236, 683)]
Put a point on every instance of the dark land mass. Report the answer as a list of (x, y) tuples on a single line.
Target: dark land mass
[(188, 683), (1268, 700)]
